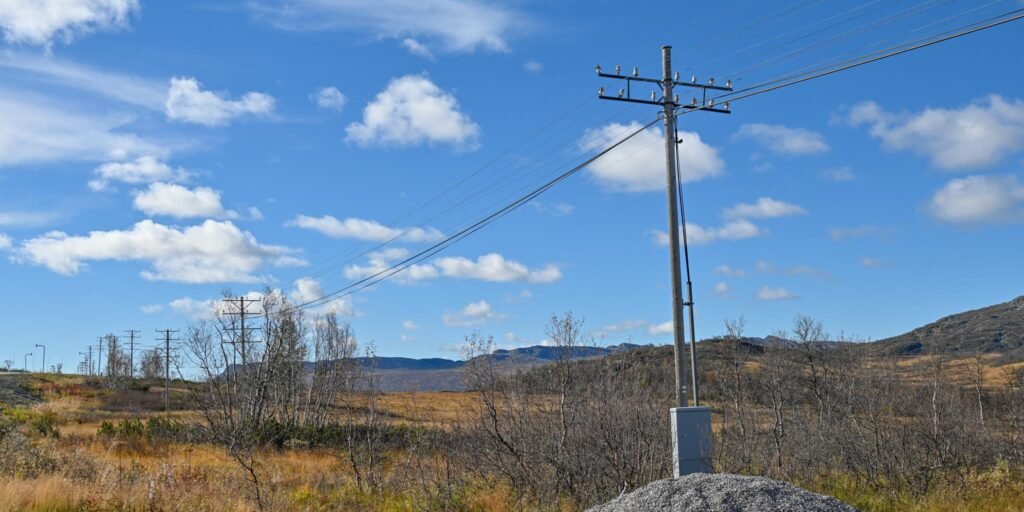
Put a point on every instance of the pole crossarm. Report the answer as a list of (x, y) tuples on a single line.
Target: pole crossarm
[(626, 94)]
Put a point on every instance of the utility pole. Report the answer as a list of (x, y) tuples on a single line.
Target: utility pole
[(25, 365), (691, 426), (131, 350), (44, 355), (83, 366), (99, 357), (167, 366), (241, 305), (90, 360)]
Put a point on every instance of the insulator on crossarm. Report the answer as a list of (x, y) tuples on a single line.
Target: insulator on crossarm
[(711, 103), (654, 96), (675, 99), (693, 79), (693, 102), (636, 71), (677, 76), (711, 81), (727, 105), (598, 69), (622, 92), (600, 92), (728, 83), (618, 70)]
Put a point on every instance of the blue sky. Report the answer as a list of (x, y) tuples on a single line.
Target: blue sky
[(153, 154)]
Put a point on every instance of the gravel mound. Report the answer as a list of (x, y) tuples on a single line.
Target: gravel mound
[(703, 492)]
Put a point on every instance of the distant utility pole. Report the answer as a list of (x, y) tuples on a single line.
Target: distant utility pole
[(44, 355), (83, 367), (239, 307), (669, 102), (25, 365), (131, 350), (99, 357), (90, 360), (167, 366)]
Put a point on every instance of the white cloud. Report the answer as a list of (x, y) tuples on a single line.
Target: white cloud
[(808, 271), (187, 102), (555, 210), (980, 134), (308, 290), (660, 329), (764, 266), (329, 98), (533, 66), (144, 169), (117, 86), (872, 262), (638, 165), (5, 242), (476, 313), (495, 268), (772, 294), (839, 174), (212, 252), (38, 130), (409, 325), (784, 140), (733, 230), (40, 22), (26, 219), (417, 48), (491, 267), (726, 270), (763, 208), (193, 308), (361, 229), (456, 25), (255, 213), (180, 202), (722, 289), (839, 234), (979, 200), (151, 309), (625, 325), (412, 111)]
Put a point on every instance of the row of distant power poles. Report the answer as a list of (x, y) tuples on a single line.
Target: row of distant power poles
[(94, 366)]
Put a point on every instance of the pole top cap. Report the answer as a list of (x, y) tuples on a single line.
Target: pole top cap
[(666, 46)]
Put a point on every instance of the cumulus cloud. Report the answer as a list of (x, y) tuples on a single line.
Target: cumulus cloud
[(328, 98), (726, 270), (784, 140), (412, 111), (362, 229), (308, 289), (212, 252), (871, 262), (625, 325), (699, 235), (980, 134), (455, 25), (638, 165), (979, 200), (417, 48), (180, 202), (763, 208), (409, 325), (144, 169), (476, 313), (151, 309), (40, 22), (722, 289), (768, 294), (533, 66), (491, 267), (660, 329), (5, 242), (187, 102), (38, 130)]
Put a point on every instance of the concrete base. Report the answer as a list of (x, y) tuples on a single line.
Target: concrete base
[(691, 440)]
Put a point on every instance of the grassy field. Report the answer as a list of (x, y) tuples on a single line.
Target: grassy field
[(69, 463)]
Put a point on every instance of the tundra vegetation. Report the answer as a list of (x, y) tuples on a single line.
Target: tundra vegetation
[(287, 418)]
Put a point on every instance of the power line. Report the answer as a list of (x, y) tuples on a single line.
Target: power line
[(739, 95)]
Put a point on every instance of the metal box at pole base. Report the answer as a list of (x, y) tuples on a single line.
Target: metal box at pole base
[(691, 440)]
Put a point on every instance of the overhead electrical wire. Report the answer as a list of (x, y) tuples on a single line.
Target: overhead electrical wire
[(738, 96)]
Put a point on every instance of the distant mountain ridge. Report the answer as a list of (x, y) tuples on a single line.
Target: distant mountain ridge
[(993, 329)]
